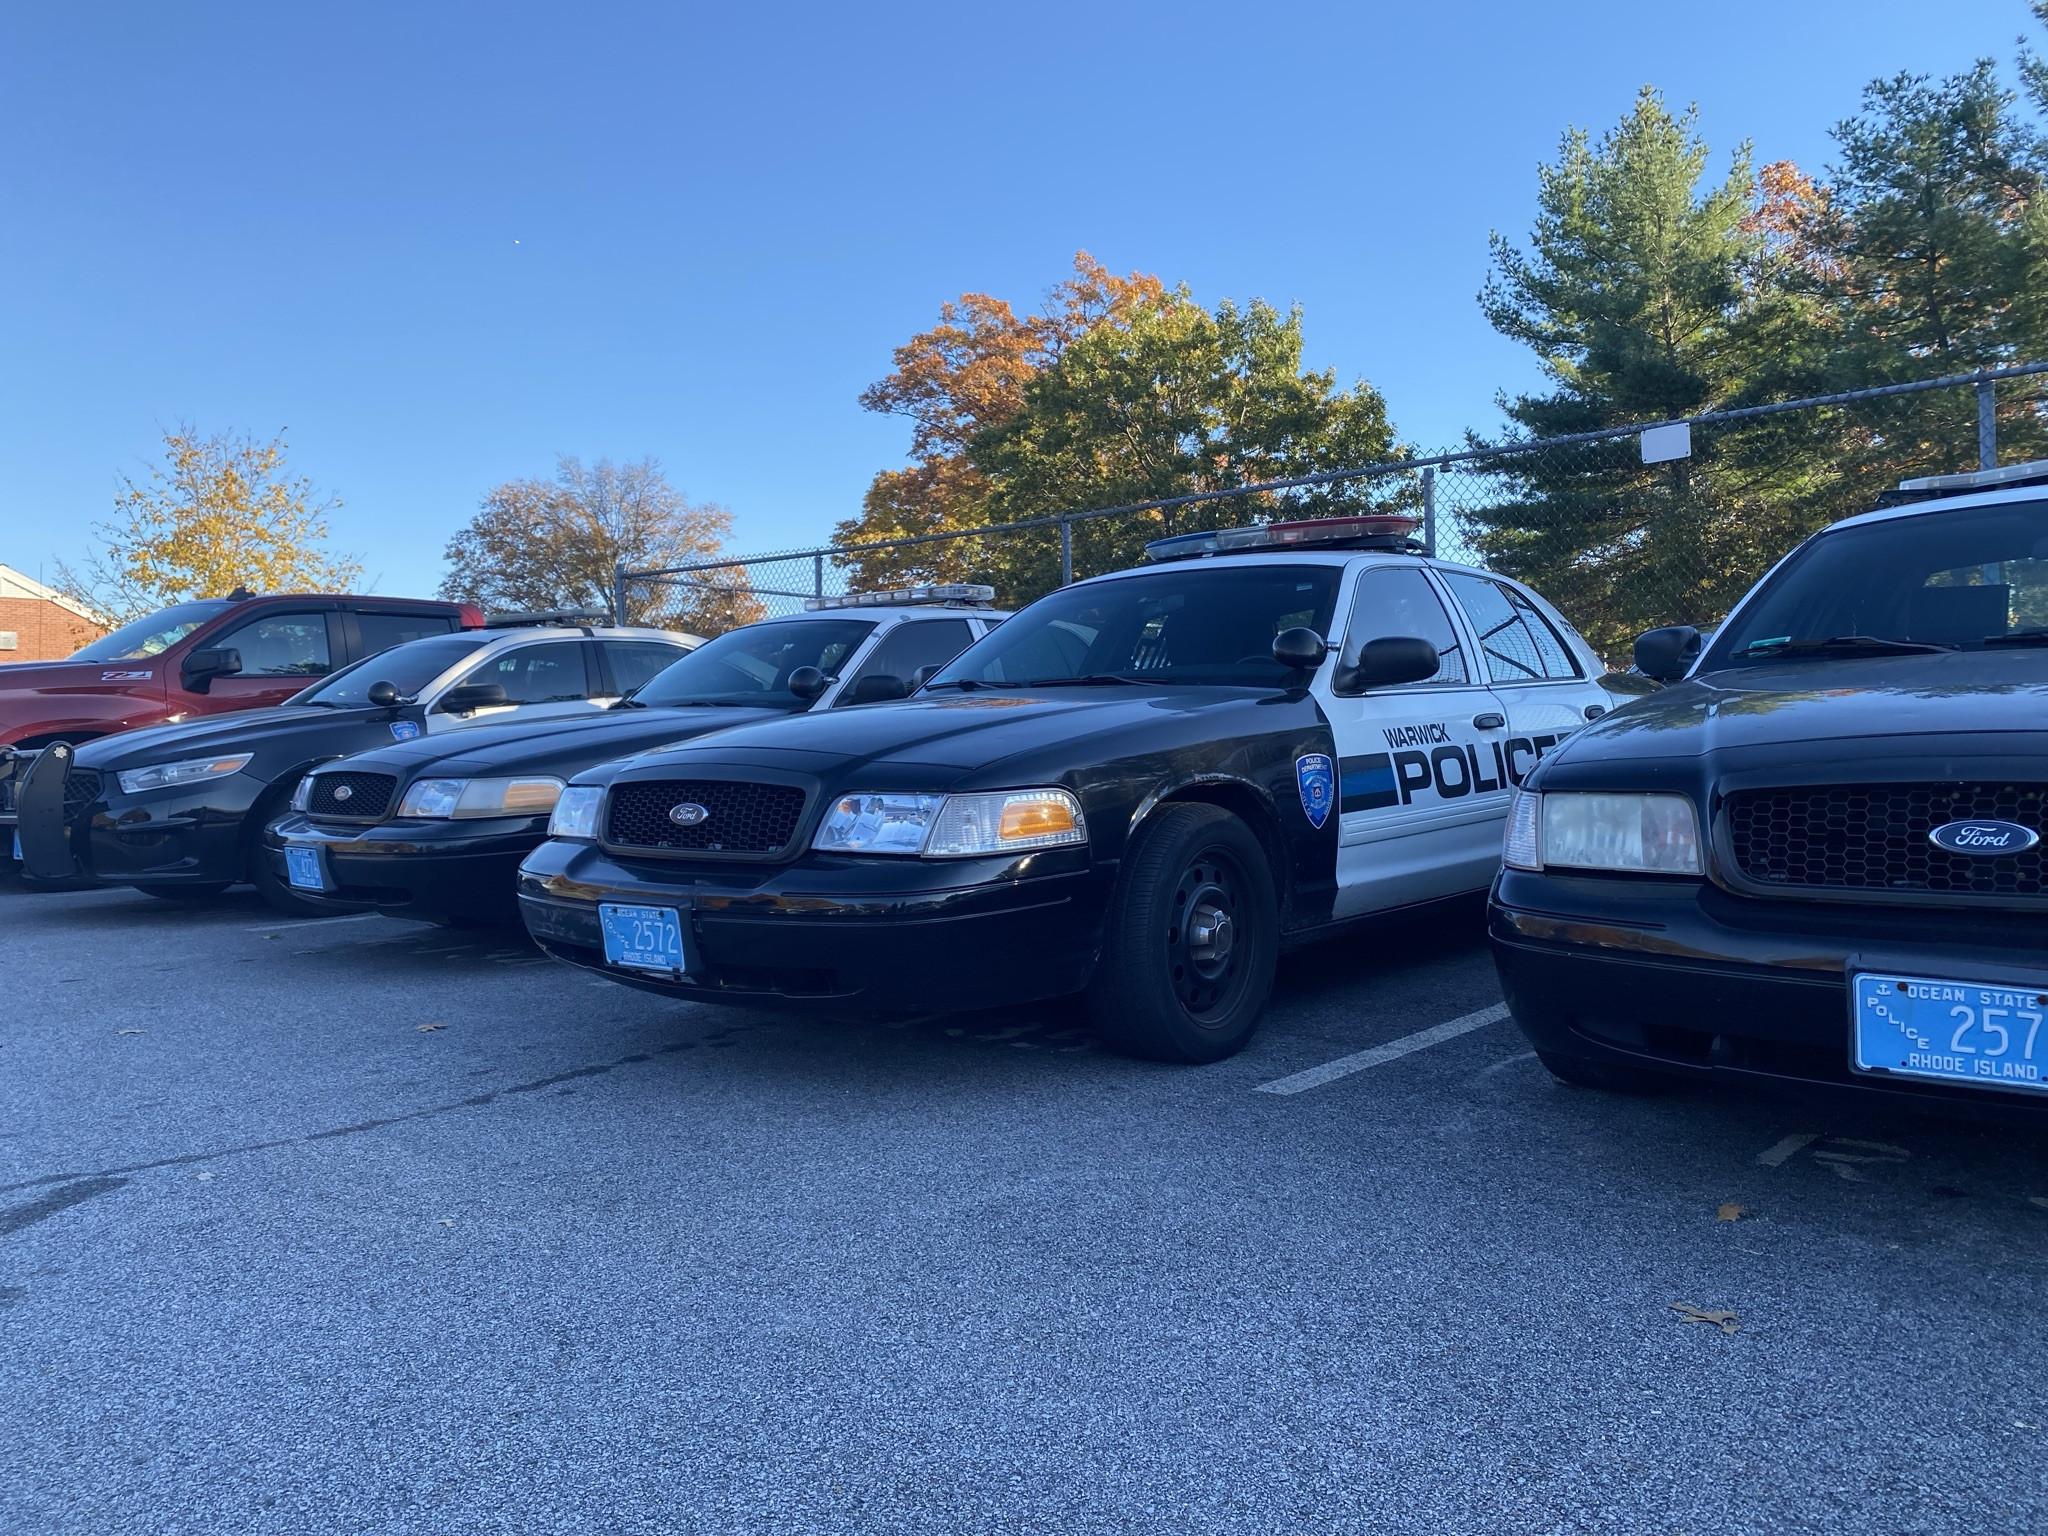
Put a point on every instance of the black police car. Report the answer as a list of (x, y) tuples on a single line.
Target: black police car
[(1818, 854), (1141, 786), (174, 810), (435, 828)]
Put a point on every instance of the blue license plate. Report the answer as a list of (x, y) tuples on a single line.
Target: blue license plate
[(1977, 1033), (643, 938), (302, 868)]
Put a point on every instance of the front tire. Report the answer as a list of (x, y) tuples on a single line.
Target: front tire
[(1192, 937)]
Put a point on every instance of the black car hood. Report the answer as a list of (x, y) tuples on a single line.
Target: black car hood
[(241, 730), (940, 740), (556, 746), (1792, 704)]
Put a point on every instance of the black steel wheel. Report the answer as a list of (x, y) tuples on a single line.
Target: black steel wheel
[(1192, 936)]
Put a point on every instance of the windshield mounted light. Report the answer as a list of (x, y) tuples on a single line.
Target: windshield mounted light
[(898, 597), (952, 826), (136, 781), (461, 799), (1629, 833), (576, 812)]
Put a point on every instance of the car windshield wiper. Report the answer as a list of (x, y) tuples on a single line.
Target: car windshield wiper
[(1843, 645), (2035, 636), (703, 704), (969, 684), (1097, 680)]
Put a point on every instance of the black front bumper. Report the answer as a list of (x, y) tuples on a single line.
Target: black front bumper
[(435, 871), (870, 935), (1685, 978)]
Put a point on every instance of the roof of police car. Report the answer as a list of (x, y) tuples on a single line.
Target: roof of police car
[(2000, 496), (1300, 554)]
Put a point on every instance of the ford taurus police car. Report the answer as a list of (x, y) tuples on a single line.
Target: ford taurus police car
[(175, 810), (435, 828), (1141, 787), (1818, 855)]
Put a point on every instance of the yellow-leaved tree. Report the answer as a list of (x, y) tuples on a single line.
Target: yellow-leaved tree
[(220, 512)]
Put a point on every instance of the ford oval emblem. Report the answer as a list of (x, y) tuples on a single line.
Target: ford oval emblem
[(343, 792), (1984, 838), (688, 814)]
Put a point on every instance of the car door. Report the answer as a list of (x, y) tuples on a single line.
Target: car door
[(907, 649), (1421, 789), (282, 651), (547, 678), (1546, 689)]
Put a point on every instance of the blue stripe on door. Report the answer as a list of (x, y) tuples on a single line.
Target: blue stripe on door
[(1367, 783)]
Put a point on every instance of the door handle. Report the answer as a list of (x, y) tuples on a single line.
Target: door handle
[(1488, 722)]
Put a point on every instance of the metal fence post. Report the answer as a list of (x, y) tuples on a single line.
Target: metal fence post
[(818, 575), (1987, 425), (1429, 509), (618, 592), (1066, 552)]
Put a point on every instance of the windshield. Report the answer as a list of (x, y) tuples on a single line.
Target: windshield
[(752, 665), (408, 668), (154, 635), (1942, 580), (1192, 624)]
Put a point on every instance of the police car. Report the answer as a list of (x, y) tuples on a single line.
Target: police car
[(1140, 788), (1818, 855), (175, 810), (435, 828)]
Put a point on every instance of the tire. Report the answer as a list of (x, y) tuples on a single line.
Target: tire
[(1168, 990), (205, 892), (1612, 1077)]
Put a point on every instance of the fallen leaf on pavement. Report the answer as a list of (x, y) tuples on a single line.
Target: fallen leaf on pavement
[(1730, 1211), (204, 1178), (423, 1028), (1721, 1319), (131, 1031), (447, 1221)]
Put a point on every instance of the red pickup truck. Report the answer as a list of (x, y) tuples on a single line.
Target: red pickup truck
[(206, 657)]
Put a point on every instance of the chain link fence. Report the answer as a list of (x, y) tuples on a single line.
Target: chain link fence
[(1624, 528)]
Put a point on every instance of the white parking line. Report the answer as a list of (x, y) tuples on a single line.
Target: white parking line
[(1784, 1149), (1359, 1061), (293, 924)]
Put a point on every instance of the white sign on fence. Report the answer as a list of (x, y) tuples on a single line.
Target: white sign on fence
[(1663, 444)]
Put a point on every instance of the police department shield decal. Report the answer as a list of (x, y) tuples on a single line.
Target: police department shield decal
[(404, 730), (1316, 776)]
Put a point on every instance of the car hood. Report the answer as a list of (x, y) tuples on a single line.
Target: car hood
[(242, 730), (1980, 695), (556, 746), (938, 741)]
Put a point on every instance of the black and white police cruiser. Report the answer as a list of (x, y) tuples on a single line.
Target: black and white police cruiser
[(1139, 788)]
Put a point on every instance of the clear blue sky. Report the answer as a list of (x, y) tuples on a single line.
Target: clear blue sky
[(442, 243)]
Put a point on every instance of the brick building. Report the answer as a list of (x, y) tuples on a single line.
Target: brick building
[(38, 623)]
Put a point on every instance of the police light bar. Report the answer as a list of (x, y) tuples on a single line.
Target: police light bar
[(941, 592), (1377, 530)]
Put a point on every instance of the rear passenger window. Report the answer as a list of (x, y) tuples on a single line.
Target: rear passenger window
[(1518, 641), (381, 631), (636, 661), (1398, 600), (281, 645), (537, 674)]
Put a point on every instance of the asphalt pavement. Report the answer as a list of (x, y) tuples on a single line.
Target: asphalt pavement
[(360, 1226)]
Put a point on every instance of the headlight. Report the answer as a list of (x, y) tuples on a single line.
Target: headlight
[(1643, 834), (191, 771), (576, 812), (302, 794), (952, 826), (1523, 849), (440, 798)]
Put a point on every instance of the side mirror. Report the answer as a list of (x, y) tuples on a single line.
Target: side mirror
[(1667, 654), (383, 695), (1389, 662), (876, 687), (808, 682), (201, 667), (465, 697), (1299, 647)]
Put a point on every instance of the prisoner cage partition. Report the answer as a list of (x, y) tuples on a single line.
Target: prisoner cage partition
[(1624, 528)]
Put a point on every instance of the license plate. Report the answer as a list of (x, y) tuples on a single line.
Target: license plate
[(1971, 1032), (303, 869), (643, 938)]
